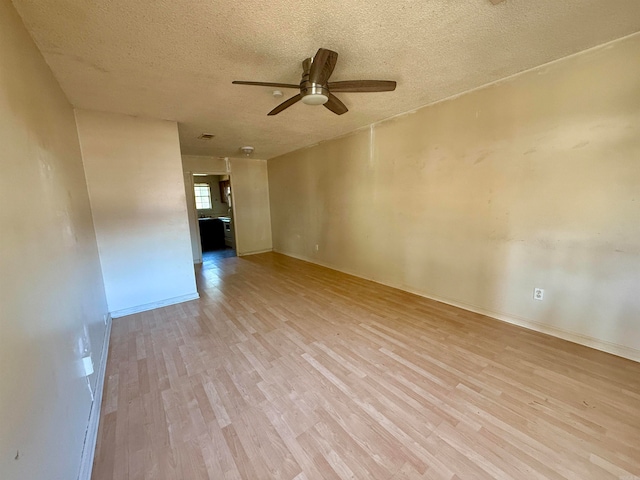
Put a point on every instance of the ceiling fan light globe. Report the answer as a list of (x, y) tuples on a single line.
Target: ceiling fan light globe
[(315, 99)]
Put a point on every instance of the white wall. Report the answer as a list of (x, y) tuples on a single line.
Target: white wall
[(250, 198), (134, 176), (532, 182), (51, 292)]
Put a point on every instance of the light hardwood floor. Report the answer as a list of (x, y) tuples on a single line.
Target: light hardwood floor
[(288, 370)]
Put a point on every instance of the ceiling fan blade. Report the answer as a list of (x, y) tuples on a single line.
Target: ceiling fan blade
[(322, 66), (285, 104), (266, 84), (335, 105), (362, 86)]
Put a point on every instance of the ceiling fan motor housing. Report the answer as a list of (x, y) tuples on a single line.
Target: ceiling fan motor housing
[(312, 93)]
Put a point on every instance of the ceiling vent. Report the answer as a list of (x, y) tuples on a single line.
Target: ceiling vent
[(206, 136)]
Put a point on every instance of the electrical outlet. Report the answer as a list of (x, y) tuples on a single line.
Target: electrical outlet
[(87, 365), (317, 247), (538, 293)]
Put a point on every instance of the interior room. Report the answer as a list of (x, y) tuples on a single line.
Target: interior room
[(290, 241), (214, 208)]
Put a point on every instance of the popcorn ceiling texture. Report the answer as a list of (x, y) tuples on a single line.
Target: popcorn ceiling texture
[(175, 59)]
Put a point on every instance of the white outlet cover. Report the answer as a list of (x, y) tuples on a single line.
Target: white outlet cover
[(87, 363), (538, 293)]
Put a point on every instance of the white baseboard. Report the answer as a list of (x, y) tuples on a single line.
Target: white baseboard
[(91, 437), (608, 347), (255, 252), (150, 306)]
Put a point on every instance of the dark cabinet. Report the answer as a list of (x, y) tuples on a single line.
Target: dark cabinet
[(211, 234), (225, 190)]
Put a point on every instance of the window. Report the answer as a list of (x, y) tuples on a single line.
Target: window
[(203, 195)]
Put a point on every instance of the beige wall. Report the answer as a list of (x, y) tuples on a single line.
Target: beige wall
[(200, 164), (134, 176), (250, 190), (533, 182), (250, 198), (52, 299)]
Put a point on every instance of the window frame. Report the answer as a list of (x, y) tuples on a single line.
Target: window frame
[(198, 198)]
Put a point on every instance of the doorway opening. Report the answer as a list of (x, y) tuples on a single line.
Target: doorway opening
[(213, 217)]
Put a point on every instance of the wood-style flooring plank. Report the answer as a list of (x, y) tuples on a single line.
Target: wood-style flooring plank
[(288, 370)]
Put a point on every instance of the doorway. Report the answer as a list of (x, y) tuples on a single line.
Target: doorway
[(211, 216)]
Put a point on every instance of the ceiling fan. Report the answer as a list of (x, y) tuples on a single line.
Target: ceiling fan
[(315, 88)]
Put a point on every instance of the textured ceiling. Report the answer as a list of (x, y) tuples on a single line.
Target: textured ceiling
[(175, 59)]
